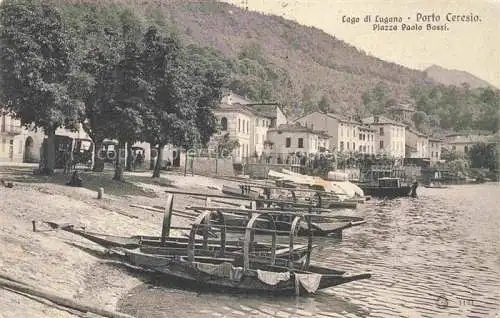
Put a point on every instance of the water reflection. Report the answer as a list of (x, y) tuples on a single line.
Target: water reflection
[(431, 256)]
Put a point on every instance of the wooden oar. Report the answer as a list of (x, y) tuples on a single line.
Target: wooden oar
[(11, 283)]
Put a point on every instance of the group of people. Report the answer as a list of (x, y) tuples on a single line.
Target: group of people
[(136, 159)]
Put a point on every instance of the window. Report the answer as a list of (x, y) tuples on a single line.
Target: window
[(353, 146), (223, 123), (301, 143), (354, 132), (341, 146), (364, 148), (288, 142), (360, 148), (360, 136), (466, 149), (3, 124), (239, 125), (247, 126), (347, 145), (381, 144), (263, 124), (381, 131)]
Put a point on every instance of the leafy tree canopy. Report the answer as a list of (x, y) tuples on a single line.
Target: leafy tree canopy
[(37, 66)]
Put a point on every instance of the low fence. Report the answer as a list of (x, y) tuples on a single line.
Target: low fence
[(207, 166), (261, 170)]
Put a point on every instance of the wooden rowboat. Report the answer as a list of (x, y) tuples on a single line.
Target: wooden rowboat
[(323, 225), (175, 245), (319, 198), (243, 266), (225, 273)]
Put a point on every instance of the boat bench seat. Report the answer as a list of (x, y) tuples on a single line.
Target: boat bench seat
[(218, 259)]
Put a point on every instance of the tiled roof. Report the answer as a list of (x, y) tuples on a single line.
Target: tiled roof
[(296, 127), (416, 132), (338, 117), (263, 110), (470, 133), (381, 120)]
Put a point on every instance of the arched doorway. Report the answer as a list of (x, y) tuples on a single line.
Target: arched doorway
[(29, 150)]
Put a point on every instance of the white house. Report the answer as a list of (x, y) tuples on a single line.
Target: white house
[(289, 139), (416, 143), (248, 123), (389, 135)]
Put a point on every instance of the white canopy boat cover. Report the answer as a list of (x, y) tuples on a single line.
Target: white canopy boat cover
[(344, 188)]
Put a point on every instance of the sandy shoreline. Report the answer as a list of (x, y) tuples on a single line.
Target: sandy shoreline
[(48, 260)]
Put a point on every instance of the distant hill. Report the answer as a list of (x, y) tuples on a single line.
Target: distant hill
[(300, 63), (454, 77)]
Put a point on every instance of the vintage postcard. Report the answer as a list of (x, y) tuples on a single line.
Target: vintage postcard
[(253, 158)]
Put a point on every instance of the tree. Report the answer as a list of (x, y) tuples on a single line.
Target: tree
[(129, 104), (37, 68), (377, 99), (100, 34), (421, 120), (450, 155), (324, 104), (483, 155), (177, 94)]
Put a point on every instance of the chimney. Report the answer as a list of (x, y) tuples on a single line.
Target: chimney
[(376, 119)]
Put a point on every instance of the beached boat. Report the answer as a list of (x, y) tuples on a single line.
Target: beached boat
[(324, 224), (246, 269), (173, 244), (317, 199)]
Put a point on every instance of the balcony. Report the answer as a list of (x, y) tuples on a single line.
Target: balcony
[(11, 130)]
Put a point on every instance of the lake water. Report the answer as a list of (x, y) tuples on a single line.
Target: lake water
[(431, 256)]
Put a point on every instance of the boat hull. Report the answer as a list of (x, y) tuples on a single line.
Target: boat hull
[(236, 278), (323, 225), (389, 192)]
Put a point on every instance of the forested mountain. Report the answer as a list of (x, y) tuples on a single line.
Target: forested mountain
[(274, 59)]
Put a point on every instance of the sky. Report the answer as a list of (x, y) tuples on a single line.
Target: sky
[(472, 47)]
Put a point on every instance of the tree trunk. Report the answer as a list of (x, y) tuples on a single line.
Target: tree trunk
[(118, 163), (51, 151), (159, 159), (129, 162), (151, 160), (98, 160)]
